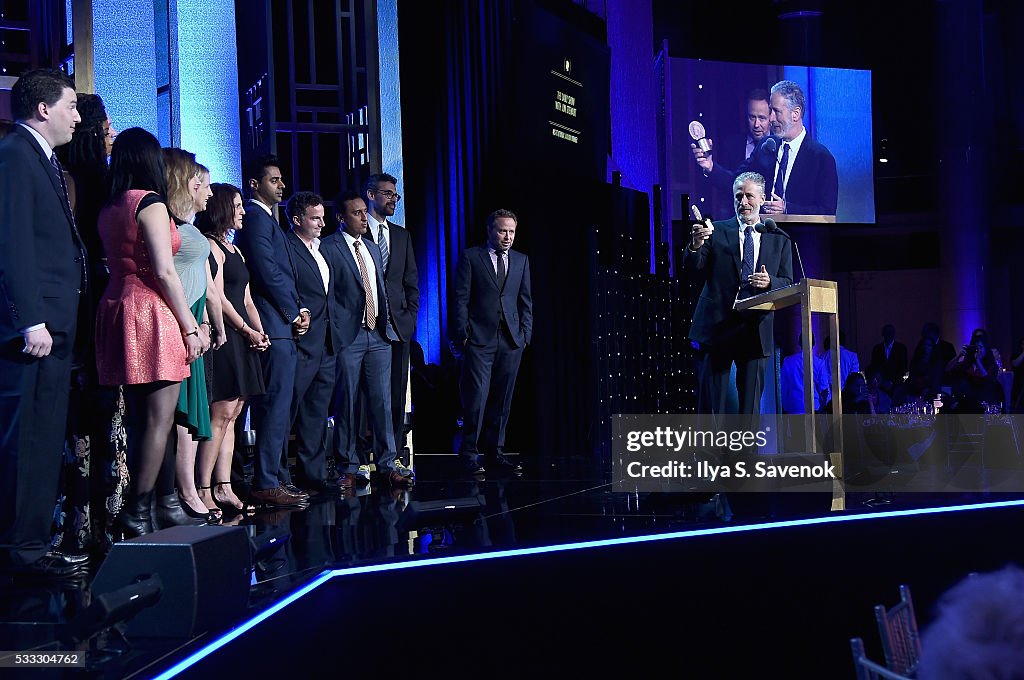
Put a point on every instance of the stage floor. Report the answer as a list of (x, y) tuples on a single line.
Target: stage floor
[(443, 519)]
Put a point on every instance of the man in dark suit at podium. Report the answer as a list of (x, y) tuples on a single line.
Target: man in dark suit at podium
[(736, 260)]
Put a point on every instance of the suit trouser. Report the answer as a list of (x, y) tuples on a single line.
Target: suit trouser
[(33, 419), (314, 387), (486, 384), (271, 413), (716, 381), (399, 386), (368, 358)]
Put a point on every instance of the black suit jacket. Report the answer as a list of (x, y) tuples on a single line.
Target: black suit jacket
[(401, 280), (271, 280), (480, 305), (349, 300), (42, 258), (718, 263), (895, 366), (813, 187), (309, 286)]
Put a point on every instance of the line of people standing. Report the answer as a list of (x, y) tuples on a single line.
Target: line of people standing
[(180, 326)]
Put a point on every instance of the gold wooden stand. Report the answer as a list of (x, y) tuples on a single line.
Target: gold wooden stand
[(814, 297)]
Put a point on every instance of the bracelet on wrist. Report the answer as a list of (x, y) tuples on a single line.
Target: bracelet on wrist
[(193, 332)]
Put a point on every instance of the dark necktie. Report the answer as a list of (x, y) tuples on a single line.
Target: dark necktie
[(382, 243), (55, 162), (371, 310), (780, 178), (748, 256), (501, 268)]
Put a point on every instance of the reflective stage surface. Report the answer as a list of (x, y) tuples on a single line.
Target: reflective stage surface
[(442, 516)]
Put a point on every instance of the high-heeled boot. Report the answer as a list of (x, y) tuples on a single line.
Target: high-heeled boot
[(170, 512), (135, 519)]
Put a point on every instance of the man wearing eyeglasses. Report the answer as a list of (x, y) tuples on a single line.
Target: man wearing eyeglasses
[(401, 281)]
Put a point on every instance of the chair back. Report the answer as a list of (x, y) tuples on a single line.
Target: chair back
[(867, 669), (901, 642)]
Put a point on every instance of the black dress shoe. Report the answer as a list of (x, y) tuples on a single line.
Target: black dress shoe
[(319, 487), (504, 465), (54, 565), (171, 512), (474, 469)]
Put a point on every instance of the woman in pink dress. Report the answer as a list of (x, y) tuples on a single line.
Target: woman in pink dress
[(146, 335)]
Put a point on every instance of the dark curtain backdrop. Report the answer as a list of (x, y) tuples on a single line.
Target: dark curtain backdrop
[(475, 102)]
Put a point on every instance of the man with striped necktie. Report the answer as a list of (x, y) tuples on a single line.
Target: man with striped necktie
[(401, 280), (360, 308)]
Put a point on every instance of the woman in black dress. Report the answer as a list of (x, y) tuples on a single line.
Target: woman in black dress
[(233, 371)]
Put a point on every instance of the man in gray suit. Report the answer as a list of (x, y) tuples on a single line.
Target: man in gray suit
[(360, 306), (492, 323)]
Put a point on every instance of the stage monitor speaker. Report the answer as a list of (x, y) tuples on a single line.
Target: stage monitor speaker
[(206, 572), (419, 514)]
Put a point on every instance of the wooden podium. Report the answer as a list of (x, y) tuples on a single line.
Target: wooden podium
[(814, 297)]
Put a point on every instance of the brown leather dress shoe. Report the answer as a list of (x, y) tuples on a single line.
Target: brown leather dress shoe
[(276, 497), (296, 491)]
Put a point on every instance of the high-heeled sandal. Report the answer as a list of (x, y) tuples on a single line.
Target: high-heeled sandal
[(216, 511), (228, 506)]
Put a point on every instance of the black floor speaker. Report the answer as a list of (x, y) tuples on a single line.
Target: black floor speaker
[(206, 572)]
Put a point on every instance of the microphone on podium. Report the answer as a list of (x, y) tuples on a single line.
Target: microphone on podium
[(770, 227)]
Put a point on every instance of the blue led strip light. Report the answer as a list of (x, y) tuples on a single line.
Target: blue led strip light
[(521, 552)]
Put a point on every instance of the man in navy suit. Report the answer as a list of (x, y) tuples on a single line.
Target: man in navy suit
[(736, 260), (364, 343), (402, 282), (42, 274), (800, 173), (491, 324), (315, 374), (272, 285)]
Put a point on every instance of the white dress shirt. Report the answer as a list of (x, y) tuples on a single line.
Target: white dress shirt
[(325, 272), (494, 260), (794, 149), (379, 230)]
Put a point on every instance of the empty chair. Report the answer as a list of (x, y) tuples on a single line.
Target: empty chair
[(868, 669), (901, 642)]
